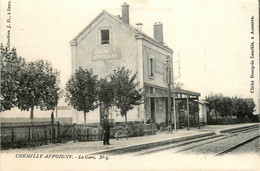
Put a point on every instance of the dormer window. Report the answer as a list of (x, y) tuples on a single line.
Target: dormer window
[(104, 36)]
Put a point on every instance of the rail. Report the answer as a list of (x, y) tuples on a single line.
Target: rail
[(236, 146), (213, 138)]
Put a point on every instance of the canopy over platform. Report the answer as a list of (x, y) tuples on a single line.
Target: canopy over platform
[(177, 93)]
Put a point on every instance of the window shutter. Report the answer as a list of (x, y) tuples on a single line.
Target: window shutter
[(98, 37), (111, 36)]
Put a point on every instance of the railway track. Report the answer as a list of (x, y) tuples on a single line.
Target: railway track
[(255, 151), (202, 145), (230, 149), (217, 147), (200, 142)]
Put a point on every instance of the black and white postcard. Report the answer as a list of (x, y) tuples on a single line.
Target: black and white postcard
[(130, 85)]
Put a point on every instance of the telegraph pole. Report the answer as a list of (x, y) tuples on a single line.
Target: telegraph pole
[(172, 118), (174, 102), (174, 115), (169, 87)]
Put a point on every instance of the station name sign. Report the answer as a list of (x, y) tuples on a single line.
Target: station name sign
[(105, 53)]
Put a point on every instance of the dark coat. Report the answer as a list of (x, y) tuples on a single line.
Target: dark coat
[(106, 126)]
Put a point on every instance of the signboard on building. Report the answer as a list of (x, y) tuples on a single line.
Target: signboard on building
[(105, 53)]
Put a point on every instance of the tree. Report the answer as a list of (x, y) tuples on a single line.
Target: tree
[(127, 92), (227, 107), (38, 87), (251, 107), (234, 107), (211, 99), (11, 69), (82, 91), (240, 105), (106, 93)]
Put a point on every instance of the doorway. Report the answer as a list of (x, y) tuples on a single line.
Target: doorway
[(152, 101)]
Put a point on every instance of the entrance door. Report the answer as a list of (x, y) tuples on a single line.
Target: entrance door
[(152, 100)]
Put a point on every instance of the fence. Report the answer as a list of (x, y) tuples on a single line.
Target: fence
[(86, 133), (225, 121), (33, 134), (89, 133)]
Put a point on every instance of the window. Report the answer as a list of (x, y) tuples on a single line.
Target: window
[(151, 67), (151, 90), (104, 37)]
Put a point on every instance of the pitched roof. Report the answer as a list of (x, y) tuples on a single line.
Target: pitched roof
[(130, 27)]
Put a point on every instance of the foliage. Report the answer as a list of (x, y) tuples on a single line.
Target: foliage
[(11, 69), (82, 91), (38, 87), (127, 92), (106, 93), (27, 85), (227, 107)]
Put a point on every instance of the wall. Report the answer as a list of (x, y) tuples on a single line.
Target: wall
[(124, 48), (160, 110), (159, 57), (159, 79), (123, 44)]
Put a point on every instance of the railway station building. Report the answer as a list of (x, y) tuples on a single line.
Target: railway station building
[(109, 42)]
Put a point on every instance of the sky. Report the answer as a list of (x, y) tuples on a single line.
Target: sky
[(210, 38)]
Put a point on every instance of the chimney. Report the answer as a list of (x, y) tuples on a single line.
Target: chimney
[(158, 32), (125, 13)]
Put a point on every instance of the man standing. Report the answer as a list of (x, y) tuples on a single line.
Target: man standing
[(106, 131)]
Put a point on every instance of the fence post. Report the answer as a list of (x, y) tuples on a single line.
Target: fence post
[(74, 132), (87, 134), (100, 132), (29, 134), (45, 135), (58, 133), (12, 140), (52, 128)]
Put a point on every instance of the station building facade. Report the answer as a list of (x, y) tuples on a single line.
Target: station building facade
[(109, 42)]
